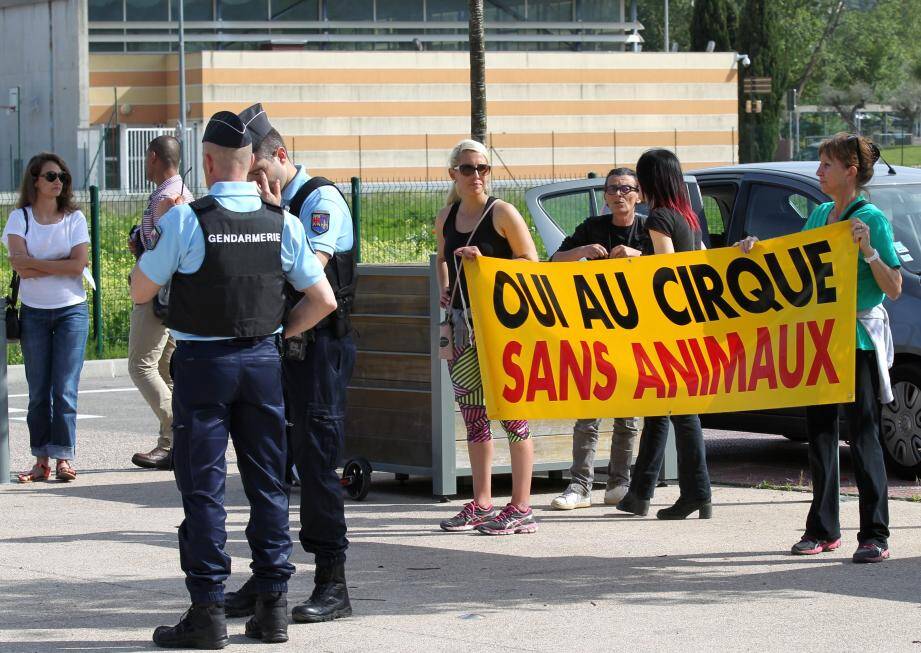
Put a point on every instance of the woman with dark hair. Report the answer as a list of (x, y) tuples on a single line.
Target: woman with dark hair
[(47, 239), (845, 167), (673, 227)]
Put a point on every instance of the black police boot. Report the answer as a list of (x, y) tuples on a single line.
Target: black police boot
[(241, 603), (201, 627), (270, 623), (330, 598)]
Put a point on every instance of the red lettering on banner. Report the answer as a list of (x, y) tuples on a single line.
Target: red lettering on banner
[(647, 376), (763, 363), (670, 364), (791, 378), (514, 393), (822, 360), (702, 368), (604, 366), (541, 379), (720, 361), (569, 367)]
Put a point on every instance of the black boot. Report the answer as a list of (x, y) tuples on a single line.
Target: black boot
[(684, 507), (632, 503), (201, 627), (330, 598), (270, 623), (241, 603)]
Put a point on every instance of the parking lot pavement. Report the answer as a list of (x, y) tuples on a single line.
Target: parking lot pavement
[(93, 565)]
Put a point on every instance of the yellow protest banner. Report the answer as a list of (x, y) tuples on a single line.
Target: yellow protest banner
[(695, 332)]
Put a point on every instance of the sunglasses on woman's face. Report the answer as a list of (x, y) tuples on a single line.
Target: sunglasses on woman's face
[(51, 177), (467, 170)]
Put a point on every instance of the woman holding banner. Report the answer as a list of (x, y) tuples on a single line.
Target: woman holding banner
[(845, 167), (474, 224), (673, 227)]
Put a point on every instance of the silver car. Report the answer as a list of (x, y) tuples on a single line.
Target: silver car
[(774, 199)]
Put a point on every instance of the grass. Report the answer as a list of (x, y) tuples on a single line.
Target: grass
[(908, 155)]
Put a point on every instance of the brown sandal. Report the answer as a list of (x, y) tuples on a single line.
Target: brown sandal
[(65, 471), (39, 472)]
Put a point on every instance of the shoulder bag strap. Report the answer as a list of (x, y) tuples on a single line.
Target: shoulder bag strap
[(856, 206), (489, 204), (14, 282)]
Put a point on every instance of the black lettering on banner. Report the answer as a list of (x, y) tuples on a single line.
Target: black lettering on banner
[(690, 294), (556, 304), (589, 305), (545, 316), (627, 320), (798, 298), (507, 319), (659, 279), (710, 287), (821, 270), (762, 299)]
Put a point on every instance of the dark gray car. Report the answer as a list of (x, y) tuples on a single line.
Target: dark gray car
[(774, 199)]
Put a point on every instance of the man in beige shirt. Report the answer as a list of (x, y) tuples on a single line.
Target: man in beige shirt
[(150, 346)]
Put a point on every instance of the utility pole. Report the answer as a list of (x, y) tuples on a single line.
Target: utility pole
[(477, 41), (667, 45), (182, 103)]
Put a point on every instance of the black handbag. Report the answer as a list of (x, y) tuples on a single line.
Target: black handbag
[(13, 326)]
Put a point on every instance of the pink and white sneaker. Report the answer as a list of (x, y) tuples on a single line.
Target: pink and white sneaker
[(510, 521), (470, 516)]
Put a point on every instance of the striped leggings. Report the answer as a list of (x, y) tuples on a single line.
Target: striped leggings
[(464, 369)]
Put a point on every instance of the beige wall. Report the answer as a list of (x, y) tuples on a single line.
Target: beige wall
[(396, 115)]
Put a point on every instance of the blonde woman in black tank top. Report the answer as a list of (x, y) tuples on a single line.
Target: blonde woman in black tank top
[(469, 170)]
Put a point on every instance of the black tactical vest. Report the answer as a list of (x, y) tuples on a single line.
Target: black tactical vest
[(238, 292), (341, 271)]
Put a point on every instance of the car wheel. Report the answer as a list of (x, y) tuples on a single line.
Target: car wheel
[(901, 422)]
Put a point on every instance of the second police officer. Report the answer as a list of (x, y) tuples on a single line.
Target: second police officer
[(228, 256), (317, 370)]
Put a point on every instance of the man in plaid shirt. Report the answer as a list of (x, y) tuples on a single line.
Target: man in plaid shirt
[(150, 346)]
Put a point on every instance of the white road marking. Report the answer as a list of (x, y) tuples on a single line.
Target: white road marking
[(85, 392)]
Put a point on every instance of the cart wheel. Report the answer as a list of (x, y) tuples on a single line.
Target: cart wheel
[(356, 478)]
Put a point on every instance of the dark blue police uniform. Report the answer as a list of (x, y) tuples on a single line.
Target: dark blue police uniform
[(228, 257)]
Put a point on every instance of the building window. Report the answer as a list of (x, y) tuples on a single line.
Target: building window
[(295, 10), (400, 10), (192, 10), (547, 11), (243, 10), (106, 10), (508, 10), (144, 10), (350, 9), (601, 11), (448, 10)]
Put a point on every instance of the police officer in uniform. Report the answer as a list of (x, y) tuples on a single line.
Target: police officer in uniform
[(228, 256), (316, 372)]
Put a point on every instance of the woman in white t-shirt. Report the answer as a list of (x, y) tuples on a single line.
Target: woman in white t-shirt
[(47, 240)]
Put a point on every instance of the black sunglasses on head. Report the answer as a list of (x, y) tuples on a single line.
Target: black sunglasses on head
[(50, 177)]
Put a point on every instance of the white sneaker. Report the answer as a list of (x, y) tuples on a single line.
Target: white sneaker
[(571, 499), (613, 495)]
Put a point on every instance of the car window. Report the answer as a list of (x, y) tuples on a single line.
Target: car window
[(568, 210), (902, 206), (718, 200), (775, 211)]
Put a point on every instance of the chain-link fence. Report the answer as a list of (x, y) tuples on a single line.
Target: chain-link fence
[(395, 221)]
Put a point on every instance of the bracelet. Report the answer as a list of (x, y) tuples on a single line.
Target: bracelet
[(872, 257)]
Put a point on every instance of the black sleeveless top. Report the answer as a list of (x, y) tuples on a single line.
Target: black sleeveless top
[(490, 242)]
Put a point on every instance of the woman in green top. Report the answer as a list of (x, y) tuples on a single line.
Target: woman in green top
[(845, 167)]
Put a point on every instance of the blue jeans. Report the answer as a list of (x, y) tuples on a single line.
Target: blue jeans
[(53, 345)]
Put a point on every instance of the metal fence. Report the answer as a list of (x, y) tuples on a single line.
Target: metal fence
[(395, 222)]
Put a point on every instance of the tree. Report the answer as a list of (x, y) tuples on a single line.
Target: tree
[(652, 15), (714, 20), (759, 37), (477, 72)]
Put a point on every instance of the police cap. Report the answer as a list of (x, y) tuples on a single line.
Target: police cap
[(257, 123), (227, 130)]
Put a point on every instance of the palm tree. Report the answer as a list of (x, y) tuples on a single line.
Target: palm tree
[(477, 72)]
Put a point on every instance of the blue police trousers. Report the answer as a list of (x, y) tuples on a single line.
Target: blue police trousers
[(315, 392), (222, 389)]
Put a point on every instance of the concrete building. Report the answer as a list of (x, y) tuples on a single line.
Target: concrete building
[(386, 94)]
